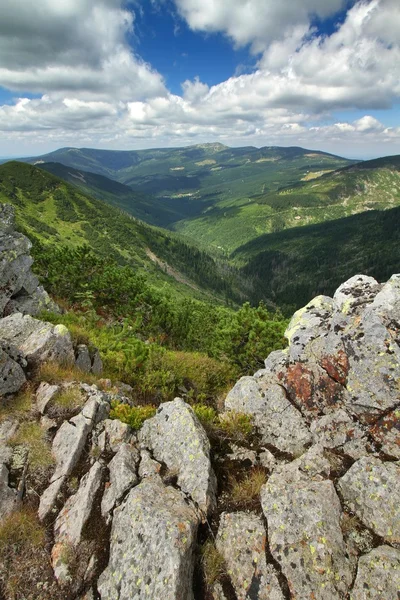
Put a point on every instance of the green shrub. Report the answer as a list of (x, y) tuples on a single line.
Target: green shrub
[(134, 416)]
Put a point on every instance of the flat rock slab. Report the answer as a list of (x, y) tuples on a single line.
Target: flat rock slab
[(279, 423), (176, 438), (371, 489), (37, 340), (241, 540), (305, 537), (152, 546), (44, 394), (378, 575), (123, 475)]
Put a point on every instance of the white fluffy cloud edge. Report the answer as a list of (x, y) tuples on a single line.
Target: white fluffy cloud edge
[(77, 81)]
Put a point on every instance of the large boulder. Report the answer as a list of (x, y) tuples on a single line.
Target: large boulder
[(37, 340), (241, 540), (12, 376), (152, 542), (176, 438)]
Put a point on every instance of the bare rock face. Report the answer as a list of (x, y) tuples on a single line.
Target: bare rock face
[(241, 540), (152, 542), (12, 376), (378, 575), (123, 476), (8, 496), (37, 340), (371, 489), (176, 438)]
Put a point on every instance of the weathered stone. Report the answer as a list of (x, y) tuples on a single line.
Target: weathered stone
[(307, 324), (8, 429), (47, 424), (8, 496), (176, 438), (44, 394), (15, 263), (73, 517), (305, 537), (386, 303), (67, 448), (355, 294), (12, 376), (31, 304), (152, 542), (267, 460), (279, 423), (241, 540), (39, 341), (116, 434), (148, 467), (218, 592), (338, 430), (97, 364), (242, 455), (386, 432), (371, 489), (378, 575), (123, 476), (82, 360)]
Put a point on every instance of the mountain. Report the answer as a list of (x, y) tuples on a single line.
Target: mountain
[(207, 189), (54, 212), (140, 205), (291, 266)]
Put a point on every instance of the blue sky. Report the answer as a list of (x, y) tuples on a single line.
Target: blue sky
[(116, 74)]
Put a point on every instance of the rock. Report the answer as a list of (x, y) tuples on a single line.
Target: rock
[(48, 424), (31, 304), (73, 517), (8, 429), (338, 430), (176, 438), (148, 467), (355, 293), (115, 435), (371, 489), (218, 592), (67, 448), (12, 376), (303, 513), (241, 540), (267, 460), (15, 264), (279, 423), (242, 455), (37, 340), (44, 394), (8, 496), (386, 432), (82, 360), (378, 575), (97, 364), (307, 324), (152, 542), (123, 476)]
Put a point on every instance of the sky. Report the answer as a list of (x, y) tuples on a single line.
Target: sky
[(322, 74)]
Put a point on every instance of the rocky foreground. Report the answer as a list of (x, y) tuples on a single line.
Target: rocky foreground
[(125, 511)]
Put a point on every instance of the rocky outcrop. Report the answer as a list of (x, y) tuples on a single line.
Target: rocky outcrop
[(152, 546), (176, 438)]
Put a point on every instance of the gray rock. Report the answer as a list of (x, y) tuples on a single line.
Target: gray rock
[(148, 467), (267, 460), (378, 575), (44, 394), (123, 476), (70, 522), (242, 455), (338, 430), (37, 340), (8, 429), (8, 496), (303, 514), (32, 304), (47, 424), (241, 540), (67, 448), (176, 438), (12, 376), (152, 542), (15, 263), (386, 432), (7, 218), (83, 361), (386, 303), (355, 293), (97, 364), (371, 489), (307, 324), (218, 592), (279, 423), (116, 434)]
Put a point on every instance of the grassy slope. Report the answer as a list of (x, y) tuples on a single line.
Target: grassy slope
[(293, 266), (52, 211), (206, 190)]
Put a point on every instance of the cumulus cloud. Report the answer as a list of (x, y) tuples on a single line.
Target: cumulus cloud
[(94, 90)]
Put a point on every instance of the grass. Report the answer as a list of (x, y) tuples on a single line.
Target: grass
[(32, 437), (69, 398), (134, 416), (245, 493), (25, 570), (236, 426), (55, 373), (212, 562), (18, 406)]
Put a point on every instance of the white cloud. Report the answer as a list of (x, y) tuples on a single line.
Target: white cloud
[(95, 91)]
